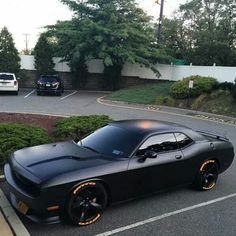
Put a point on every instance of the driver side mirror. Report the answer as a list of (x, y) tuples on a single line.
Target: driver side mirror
[(148, 154)]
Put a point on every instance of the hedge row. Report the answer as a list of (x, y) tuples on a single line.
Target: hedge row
[(79, 126), (17, 136)]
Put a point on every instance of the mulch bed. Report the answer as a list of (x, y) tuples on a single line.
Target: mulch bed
[(46, 122)]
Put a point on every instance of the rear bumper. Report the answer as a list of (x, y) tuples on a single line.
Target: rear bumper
[(37, 205), (9, 88)]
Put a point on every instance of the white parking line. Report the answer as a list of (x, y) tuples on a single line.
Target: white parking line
[(29, 93), (156, 218), (69, 95)]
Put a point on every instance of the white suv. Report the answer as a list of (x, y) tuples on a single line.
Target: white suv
[(8, 82)]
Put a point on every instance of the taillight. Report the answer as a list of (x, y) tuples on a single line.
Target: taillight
[(15, 82)]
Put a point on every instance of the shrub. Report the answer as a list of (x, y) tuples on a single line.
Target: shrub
[(165, 100), (18, 136), (225, 85), (201, 85), (233, 91), (179, 90), (78, 127)]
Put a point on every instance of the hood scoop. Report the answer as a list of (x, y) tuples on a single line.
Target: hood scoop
[(54, 159)]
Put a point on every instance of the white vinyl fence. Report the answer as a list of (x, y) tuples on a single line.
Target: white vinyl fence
[(168, 72)]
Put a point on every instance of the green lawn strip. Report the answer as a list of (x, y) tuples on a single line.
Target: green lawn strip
[(145, 94), (218, 102)]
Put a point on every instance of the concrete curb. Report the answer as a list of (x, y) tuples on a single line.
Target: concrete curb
[(12, 219), (39, 113), (171, 111), (5, 228)]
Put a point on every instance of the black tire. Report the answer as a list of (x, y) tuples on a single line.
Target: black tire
[(58, 93), (38, 93), (86, 203), (207, 175)]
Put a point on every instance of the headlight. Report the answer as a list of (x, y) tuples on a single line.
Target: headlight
[(55, 84)]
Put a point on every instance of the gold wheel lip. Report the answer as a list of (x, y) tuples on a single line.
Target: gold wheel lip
[(79, 188), (205, 163), (210, 187), (83, 223), (90, 183), (202, 169)]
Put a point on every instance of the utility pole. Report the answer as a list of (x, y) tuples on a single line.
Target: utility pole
[(26, 42), (159, 32)]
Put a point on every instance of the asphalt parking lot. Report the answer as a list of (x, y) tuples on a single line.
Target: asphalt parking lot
[(176, 212)]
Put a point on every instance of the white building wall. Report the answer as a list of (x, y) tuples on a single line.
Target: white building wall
[(60, 66), (27, 62), (168, 72)]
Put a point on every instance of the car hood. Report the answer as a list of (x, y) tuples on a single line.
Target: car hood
[(51, 160)]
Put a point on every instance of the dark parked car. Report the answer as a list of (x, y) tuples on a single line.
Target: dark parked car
[(121, 161), (50, 84)]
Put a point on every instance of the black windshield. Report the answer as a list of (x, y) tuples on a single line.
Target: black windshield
[(112, 141), (48, 79)]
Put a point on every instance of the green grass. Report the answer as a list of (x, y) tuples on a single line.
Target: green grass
[(145, 94), (218, 102)]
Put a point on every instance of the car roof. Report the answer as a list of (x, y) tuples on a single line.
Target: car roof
[(49, 76), (148, 126), (5, 73)]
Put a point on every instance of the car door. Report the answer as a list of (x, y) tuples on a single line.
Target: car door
[(152, 174)]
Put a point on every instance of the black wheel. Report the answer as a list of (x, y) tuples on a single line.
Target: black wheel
[(207, 175), (38, 93), (58, 93), (86, 203)]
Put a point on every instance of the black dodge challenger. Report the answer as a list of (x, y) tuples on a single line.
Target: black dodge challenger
[(119, 162)]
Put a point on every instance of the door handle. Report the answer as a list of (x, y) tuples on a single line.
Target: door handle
[(178, 157)]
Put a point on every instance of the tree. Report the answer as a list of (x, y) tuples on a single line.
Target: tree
[(177, 39), (43, 53), (9, 58), (204, 32), (116, 31)]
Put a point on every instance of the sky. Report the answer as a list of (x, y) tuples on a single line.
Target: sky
[(29, 16)]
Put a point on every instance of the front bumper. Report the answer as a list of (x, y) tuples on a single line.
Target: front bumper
[(48, 90), (36, 205)]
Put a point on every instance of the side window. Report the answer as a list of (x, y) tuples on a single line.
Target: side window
[(182, 140), (158, 143)]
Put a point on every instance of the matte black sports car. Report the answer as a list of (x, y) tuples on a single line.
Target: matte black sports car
[(118, 162)]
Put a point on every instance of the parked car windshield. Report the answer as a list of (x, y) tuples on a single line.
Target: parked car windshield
[(6, 77), (111, 141), (49, 79)]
